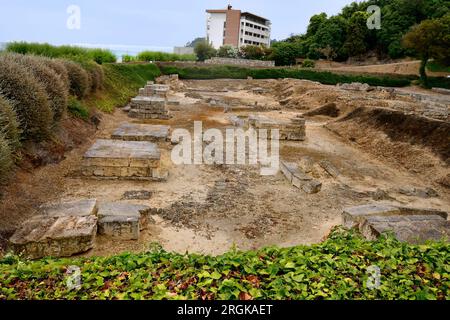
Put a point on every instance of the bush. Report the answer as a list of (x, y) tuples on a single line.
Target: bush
[(79, 79), (49, 79), (28, 97), (6, 158), (228, 52), (336, 269), (58, 66), (127, 58), (204, 51), (9, 125), (149, 56), (72, 52), (77, 109), (308, 63), (253, 52), (232, 72), (95, 73)]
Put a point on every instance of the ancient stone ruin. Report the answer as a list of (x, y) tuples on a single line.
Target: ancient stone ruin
[(123, 159), (300, 179), (142, 132), (406, 224), (294, 130)]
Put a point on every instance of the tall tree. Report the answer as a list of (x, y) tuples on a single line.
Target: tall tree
[(429, 39), (357, 33)]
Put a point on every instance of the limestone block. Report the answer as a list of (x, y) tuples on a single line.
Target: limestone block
[(77, 208), (44, 236), (122, 220)]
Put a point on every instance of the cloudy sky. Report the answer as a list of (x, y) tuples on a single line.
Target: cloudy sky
[(162, 23)]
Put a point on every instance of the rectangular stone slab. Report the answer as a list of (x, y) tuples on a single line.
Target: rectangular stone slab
[(44, 236), (122, 151), (122, 220), (76, 208), (141, 132)]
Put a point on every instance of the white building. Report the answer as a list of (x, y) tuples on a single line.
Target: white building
[(236, 28)]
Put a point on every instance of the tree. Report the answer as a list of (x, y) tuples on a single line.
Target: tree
[(252, 52), (285, 53), (429, 39), (357, 33), (328, 52), (228, 51), (204, 50), (194, 42)]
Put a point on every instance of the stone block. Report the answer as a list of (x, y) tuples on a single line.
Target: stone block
[(122, 220), (76, 208), (44, 236), (141, 132)]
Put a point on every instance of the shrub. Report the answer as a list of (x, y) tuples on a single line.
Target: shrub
[(49, 79), (72, 52), (253, 52), (148, 56), (232, 72), (58, 66), (79, 79), (28, 97), (228, 52), (6, 158), (308, 63), (204, 51), (95, 73), (77, 109), (127, 58), (9, 124)]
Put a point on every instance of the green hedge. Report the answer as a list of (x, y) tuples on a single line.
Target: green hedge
[(338, 268), (232, 72)]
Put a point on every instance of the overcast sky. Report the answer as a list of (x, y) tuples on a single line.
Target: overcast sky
[(162, 23)]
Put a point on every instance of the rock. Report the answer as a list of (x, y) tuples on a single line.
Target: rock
[(299, 179), (421, 193), (355, 86), (48, 236), (380, 195), (122, 220), (329, 168), (137, 195), (77, 208), (412, 225)]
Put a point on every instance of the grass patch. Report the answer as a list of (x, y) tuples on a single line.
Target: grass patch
[(439, 82), (71, 52), (121, 82), (77, 109), (232, 72), (164, 56), (335, 269)]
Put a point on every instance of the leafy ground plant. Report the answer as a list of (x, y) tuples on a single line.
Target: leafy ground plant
[(338, 268)]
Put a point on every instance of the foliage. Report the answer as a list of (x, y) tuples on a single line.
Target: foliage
[(348, 36), (436, 66), (204, 51), (77, 109), (121, 82), (71, 52), (9, 125), (55, 88), (28, 97), (307, 63), (153, 56), (232, 72), (255, 52), (6, 158), (127, 58), (228, 51), (57, 65), (337, 269), (429, 39), (79, 79)]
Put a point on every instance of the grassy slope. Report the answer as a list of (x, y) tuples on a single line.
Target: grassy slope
[(122, 82), (334, 269)]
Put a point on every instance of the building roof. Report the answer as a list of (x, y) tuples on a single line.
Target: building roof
[(254, 16)]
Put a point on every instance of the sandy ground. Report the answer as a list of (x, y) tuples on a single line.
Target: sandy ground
[(209, 209)]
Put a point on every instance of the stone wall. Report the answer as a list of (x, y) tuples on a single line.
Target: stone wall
[(241, 62)]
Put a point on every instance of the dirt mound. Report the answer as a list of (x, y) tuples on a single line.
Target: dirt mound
[(329, 110), (402, 127)]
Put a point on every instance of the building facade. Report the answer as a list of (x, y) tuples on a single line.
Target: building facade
[(236, 28)]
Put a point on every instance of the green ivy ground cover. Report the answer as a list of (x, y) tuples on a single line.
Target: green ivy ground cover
[(335, 269)]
